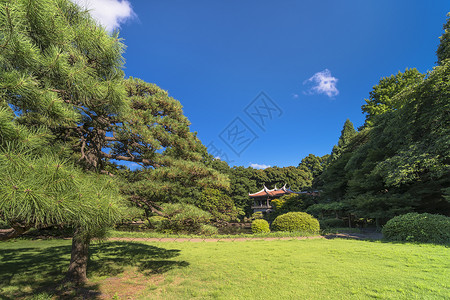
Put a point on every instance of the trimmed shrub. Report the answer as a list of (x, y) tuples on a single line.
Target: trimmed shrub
[(207, 229), (331, 223), (296, 221), (260, 225), (414, 227)]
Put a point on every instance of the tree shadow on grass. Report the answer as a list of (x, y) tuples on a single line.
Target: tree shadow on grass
[(110, 258), (27, 272)]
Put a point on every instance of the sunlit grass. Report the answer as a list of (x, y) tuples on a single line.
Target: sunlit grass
[(279, 269)]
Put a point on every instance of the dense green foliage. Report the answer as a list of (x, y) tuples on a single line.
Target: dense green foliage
[(260, 225), (399, 161), (314, 165), (40, 191), (218, 204), (296, 221), (414, 227), (183, 218), (39, 188), (207, 230)]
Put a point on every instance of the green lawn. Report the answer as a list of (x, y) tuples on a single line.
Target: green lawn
[(281, 269)]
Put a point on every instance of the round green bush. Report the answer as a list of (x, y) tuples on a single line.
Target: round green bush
[(260, 225), (414, 227), (296, 221)]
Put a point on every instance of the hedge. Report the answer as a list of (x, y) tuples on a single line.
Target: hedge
[(296, 221), (415, 227)]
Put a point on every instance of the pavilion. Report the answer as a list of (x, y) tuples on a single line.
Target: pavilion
[(261, 199)]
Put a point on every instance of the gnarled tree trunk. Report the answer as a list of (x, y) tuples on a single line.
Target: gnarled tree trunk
[(79, 258)]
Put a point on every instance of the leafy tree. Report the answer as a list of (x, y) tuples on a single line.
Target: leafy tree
[(314, 165), (385, 96)]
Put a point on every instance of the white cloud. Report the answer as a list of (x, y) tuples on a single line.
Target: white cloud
[(259, 166), (110, 13), (322, 83), (295, 96)]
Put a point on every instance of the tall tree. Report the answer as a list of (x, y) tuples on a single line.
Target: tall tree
[(347, 133)]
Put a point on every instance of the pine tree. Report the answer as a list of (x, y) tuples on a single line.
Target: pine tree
[(39, 189), (61, 72), (348, 131)]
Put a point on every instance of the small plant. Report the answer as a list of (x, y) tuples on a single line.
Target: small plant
[(116, 297), (207, 229), (260, 226), (296, 221), (414, 227)]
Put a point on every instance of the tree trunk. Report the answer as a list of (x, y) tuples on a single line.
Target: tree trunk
[(79, 258), (377, 222)]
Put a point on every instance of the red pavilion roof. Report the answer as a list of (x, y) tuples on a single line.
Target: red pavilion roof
[(275, 192)]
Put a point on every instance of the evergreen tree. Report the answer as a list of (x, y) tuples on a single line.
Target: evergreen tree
[(347, 133), (40, 189)]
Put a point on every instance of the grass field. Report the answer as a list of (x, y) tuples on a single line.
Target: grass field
[(281, 269)]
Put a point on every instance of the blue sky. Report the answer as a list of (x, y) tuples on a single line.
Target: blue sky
[(268, 82)]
